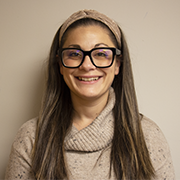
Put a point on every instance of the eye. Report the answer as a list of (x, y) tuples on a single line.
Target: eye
[(74, 53), (102, 53)]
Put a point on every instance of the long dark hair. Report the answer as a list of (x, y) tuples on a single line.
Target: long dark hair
[(129, 155)]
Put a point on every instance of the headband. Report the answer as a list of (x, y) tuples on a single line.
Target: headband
[(93, 15)]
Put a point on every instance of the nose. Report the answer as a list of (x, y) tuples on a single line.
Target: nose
[(87, 65)]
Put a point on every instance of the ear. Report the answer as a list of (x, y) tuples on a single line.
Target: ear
[(61, 67), (118, 64)]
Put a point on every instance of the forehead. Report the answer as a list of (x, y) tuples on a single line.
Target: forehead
[(88, 35), (90, 28)]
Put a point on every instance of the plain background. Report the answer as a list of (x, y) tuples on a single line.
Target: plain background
[(152, 29)]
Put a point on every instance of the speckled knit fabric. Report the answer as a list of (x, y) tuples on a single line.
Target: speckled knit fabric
[(88, 150)]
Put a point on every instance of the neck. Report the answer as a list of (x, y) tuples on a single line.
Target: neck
[(85, 111)]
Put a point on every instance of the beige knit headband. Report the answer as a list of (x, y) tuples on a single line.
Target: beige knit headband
[(93, 15)]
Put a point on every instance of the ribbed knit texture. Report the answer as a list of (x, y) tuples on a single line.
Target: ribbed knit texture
[(98, 135)]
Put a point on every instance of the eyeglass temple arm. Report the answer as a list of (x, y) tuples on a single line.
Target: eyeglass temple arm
[(118, 52)]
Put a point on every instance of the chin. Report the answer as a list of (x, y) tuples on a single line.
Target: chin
[(93, 95)]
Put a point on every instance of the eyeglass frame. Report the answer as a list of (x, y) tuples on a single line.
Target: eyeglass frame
[(115, 52)]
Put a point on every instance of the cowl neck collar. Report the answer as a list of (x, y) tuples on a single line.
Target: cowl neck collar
[(98, 135)]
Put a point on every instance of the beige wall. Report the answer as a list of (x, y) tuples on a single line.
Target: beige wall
[(152, 28)]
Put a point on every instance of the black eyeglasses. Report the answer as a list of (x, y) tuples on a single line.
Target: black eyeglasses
[(100, 57)]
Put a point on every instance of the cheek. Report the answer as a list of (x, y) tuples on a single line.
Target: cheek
[(111, 72), (67, 74)]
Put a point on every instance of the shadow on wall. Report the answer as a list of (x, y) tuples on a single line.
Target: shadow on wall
[(33, 102)]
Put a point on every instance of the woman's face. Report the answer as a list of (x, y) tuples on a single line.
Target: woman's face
[(88, 82)]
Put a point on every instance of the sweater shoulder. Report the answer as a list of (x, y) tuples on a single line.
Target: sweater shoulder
[(19, 165), (26, 135), (158, 148), (28, 127), (153, 134)]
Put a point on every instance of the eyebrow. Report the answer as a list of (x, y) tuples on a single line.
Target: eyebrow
[(100, 44), (74, 46), (79, 47)]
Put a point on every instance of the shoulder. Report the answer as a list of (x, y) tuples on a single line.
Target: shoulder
[(158, 149), (154, 137), (152, 130), (25, 136), (28, 127), (19, 166)]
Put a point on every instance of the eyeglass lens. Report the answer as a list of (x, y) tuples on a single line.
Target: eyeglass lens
[(101, 57)]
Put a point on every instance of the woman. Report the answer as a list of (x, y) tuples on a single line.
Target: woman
[(89, 126)]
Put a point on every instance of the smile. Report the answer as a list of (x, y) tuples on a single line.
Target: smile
[(88, 79)]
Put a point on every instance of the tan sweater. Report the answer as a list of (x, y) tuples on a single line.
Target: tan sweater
[(88, 150)]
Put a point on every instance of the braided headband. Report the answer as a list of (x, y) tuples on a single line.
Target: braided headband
[(93, 15)]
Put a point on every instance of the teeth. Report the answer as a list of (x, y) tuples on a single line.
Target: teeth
[(88, 79)]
